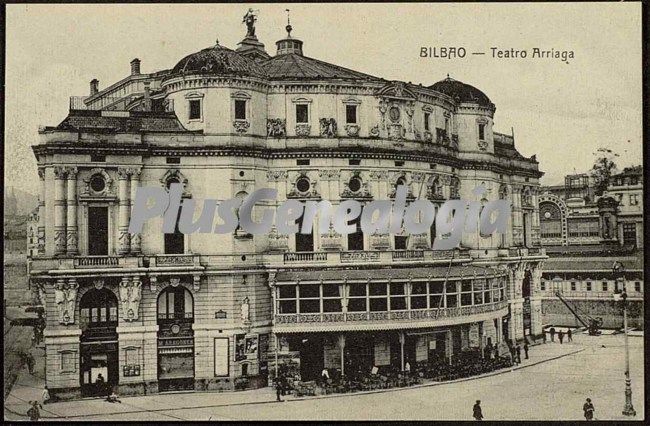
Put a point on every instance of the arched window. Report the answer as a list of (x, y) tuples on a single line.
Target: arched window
[(98, 308), (175, 303)]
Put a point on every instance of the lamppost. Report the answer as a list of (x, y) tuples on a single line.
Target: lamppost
[(619, 274)]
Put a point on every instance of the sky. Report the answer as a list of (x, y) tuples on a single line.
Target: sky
[(561, 112)]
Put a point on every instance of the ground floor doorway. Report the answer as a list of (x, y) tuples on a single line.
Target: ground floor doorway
[(99, 368)]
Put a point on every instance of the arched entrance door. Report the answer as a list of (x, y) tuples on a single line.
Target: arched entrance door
[(175, 339), (99, 356)]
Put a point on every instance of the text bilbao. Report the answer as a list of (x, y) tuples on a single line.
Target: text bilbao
[(381, 217)]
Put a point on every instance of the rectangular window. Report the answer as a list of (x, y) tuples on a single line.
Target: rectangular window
[(302, 113), (604, 285), (542, 285), (195, 109), (97, 158), (573, 286), (588, 286), (354, 162), (400, 242), (173, 160), (68, 362), (399, 163), (240, 109), (481, 132), (302, 162), (427, 116), (637, 286), (351, 114), (221, 356), (634, 199)]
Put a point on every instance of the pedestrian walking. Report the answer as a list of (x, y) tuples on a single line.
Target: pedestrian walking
[(278, 389), (588, 408), (560, 336), (478, 413), (526, 350), (513, 355), (30, 362), (518, 349), (46, 395), (552, 334), (544, 335), (569, 336), (34, 413)]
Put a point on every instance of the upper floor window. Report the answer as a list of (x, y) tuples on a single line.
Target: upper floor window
[(195, 109), (588, 286), (573, 286), (351, 114), (481, 131), (634, 199), (427, 118), (240, 109), (542, 285), (637, 286), (604, 285), (97, 158), (302, 113)]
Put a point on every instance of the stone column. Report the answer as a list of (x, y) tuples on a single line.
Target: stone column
[(123, 212), (136, 239), (536, 301), (402, 340), (59, 211), (517, 305), (342, 346), (41, 212), (71, 202)]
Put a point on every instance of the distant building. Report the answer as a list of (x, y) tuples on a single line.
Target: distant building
[(584, 235)]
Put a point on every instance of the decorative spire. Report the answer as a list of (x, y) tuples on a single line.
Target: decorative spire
[(288, 27)]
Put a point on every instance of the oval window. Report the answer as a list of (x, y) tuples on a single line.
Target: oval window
[(303, 184), (97, 183), (355, 184)]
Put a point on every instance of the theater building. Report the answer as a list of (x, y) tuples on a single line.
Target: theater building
[(584, 234), (154, 312)]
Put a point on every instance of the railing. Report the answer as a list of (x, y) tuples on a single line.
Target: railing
[(408, 315), (305, 257), (408, 255), (359, 256), (95, 261), (175, 260)]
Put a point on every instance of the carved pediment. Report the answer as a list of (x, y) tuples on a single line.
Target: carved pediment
[(396, 90)]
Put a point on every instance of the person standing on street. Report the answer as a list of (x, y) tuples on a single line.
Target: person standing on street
[(46, 395), (526, 349), (34, 412), (278, 388), (569, 336), (588, 408), (478, 413), (518, 349), (544, 335), (560, 336), (552, 334)]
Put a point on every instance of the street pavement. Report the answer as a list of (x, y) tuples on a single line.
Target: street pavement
[(551, 385)]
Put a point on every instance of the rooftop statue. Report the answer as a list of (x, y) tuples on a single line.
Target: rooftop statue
[(250, 19)]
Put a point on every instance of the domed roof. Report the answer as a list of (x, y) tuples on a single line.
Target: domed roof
[(218, 60), (462, 92)]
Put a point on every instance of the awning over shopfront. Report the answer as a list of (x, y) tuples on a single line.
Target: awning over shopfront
[(389, 274)]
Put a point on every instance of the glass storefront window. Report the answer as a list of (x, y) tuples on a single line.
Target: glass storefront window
[(466, 299), (377, 289), (378, 304), (309, 305), (357, 290), (452, 300), (397, 303), (331, 290), (435, 302), (357, 305), (308, 290), (287, 306), (287, 291), (332, 305), (418, 302)]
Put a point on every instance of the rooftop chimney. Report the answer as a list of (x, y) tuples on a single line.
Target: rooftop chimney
[(94, 86), (135, 66)]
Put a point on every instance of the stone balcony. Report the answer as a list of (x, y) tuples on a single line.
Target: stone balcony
[(334, 321)]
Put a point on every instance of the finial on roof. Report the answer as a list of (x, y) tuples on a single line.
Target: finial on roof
[(448, 76), (217, 43), (288, 27)]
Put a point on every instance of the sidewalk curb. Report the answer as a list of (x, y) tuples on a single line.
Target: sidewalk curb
[(310, 398)]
